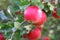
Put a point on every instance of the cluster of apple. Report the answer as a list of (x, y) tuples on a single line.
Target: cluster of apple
[(35, 15), (54, 11)]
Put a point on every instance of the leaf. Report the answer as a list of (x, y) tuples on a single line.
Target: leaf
[(24, 2), (17, 2), (17, 35), (17, 25), (58, 10), (41, 5), (20, 18)]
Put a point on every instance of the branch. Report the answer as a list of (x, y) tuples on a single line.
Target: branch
[(14, 30)]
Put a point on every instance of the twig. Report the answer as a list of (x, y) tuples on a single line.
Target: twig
[(22, 22), (12, 35), (15, 30)]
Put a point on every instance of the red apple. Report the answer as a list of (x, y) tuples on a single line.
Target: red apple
[(25, 36), (44, 17), (35, 15), (55, 13), (34, 34), (40, 27), (1, 36), (19, 12), (46, 38)]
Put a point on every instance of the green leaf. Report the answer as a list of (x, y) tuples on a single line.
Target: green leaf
[(17, 35), (24, 2), (17, 2), (58, 11)]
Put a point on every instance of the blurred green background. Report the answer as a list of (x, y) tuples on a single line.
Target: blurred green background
[(11, 7)]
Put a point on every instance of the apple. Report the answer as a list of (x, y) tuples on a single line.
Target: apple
[(46, 38), (34, 34), (19, 12), (1, 36), (55, 14), (44, 18), (35, 15), (25, 36)]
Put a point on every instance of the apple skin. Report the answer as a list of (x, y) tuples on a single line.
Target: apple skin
[(35, 34), (39, 28), (46, 38), (1, 36), (44, 18), (34, 14), (25, 36), (19, 12), (55, 14)]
